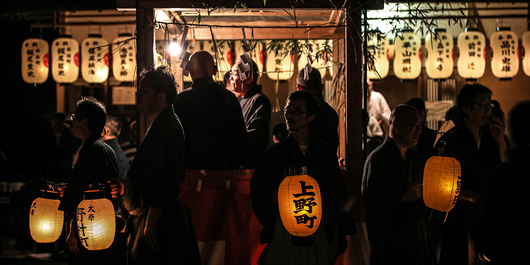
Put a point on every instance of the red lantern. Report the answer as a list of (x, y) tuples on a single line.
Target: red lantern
[(35, 61), (439, 64), (441, 183), (505, 59), (45, 220), (407, 60), (96, 222), (65, 60), (94, 59), (124, 58), (472, 48), (300, 204)]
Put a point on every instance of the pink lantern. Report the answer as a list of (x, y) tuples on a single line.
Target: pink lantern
[(505, 59), (124, 58), (65, 60), (471, 63), (378, 49), (35, 61), (94, 59), (526, 57), (439, 64), (407, 60)]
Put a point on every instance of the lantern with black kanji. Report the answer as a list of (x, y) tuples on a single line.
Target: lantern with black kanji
[(441, 183), (35, 61), (124, 58), (378, 49), (96, 222), (300, 205), (94, 59), (471, 63), (65, 60), (407, 58), (505, 59), (439, 64), (278, 65), (45, 220)]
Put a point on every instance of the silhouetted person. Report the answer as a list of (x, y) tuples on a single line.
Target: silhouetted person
[(110, 134), (427, 136), (279, 132)]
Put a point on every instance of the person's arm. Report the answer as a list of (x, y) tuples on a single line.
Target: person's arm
[(73, 238), (150, 230)]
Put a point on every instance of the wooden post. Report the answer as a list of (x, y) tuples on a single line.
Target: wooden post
[(145, 56)]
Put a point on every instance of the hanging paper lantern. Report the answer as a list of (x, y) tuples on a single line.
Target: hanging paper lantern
[(407, 60), (441, 183), (439, 64), (124, 58), (321, 64), (526, 55), (300, 205), (505, 59), (472, 59), (96, 223), (94, 59), (45, 220), (378, 48), (278, 66), (65, 60), (223, 60), (35, 61)]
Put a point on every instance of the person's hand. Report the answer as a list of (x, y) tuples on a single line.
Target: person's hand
[(150, 233), (413, 193), (72, 242), (116, 187), (497, 128)]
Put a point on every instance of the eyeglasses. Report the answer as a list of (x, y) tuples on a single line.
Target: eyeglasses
[(293, 112), (486, 106), (72, 117)]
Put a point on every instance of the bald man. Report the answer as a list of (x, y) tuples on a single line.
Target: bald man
[(215, 133), (398, 228)]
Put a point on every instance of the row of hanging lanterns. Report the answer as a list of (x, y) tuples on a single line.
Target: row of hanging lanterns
[(471, 63), (67, 57)]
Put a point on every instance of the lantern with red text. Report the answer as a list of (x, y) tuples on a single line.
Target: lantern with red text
[(300, 204), (65, 60), (439, 64), (378, 49), (94, 59), (526, 55), (407, 58), (96, 223), (441, 183), (505, 59), (45, 220), (471, 63), (35, 61), (124, 58)]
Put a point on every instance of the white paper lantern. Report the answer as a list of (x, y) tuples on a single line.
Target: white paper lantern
[(279, 67), (35, 61), (505, 59), (94, 59), (526, 57), (65, 60), (378, 49), (407, 60), (223, 61), (439, 64), (45, 220), (472, 49), (124, 58), (320, 64), (96, 222)]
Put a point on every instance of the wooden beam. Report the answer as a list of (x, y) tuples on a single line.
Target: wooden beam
[(266, 33)]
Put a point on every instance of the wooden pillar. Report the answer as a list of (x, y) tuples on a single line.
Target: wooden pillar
[(145, 55)]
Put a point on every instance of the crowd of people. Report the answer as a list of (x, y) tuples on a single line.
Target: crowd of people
[(211, 126)]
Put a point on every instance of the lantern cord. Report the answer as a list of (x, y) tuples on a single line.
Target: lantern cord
[(446, 214)]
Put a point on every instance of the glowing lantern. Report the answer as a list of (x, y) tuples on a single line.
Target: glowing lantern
[(35, 61), (279, 67), (65, 60), (94, 59), (472, 59), (378, 49), (321, 63), (439, 64), (96, 223), (124, 58), (45, 220), (223, 61), (441, 183), (505, 59), (407, 60), (300, 205), (526, 57)]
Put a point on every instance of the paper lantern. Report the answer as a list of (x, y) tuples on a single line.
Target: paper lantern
[(407, 60), (439, 64), (279, 67), (505, 59), (45, 220), (441, 183), (94, 59), (65, 60), (96, 223), (472, 49), (526, 55), (223, 61), (378, 48), (321, 64), (300, 204), (124, 58), (35, 61)]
